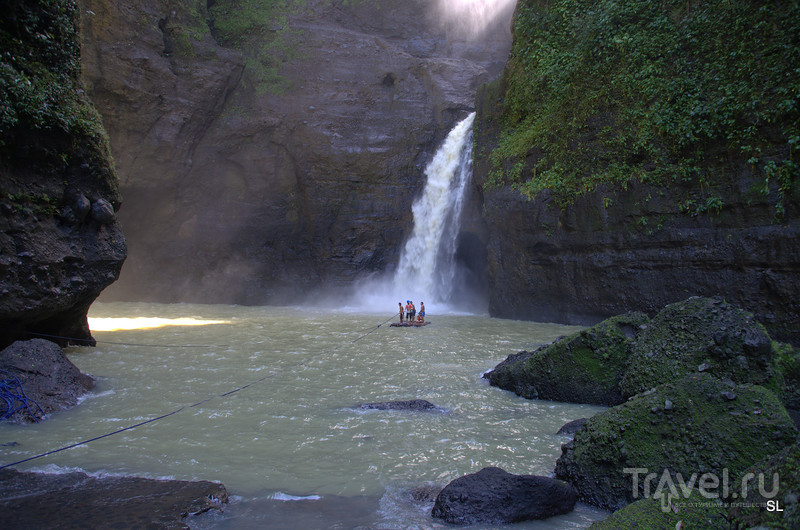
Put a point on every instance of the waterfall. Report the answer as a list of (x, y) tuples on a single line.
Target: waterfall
[(427, 264)]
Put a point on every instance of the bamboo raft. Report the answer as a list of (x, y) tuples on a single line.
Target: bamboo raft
[(409, 324)]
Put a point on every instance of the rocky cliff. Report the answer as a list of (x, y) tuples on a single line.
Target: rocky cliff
[(620, 177), (259, 166), (60, 245)]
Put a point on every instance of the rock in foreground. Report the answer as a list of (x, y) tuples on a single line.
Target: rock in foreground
[(47, 378), (76, 500), (494, 496), (697, 425)]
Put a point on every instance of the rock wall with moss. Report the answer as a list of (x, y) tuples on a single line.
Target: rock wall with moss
[(60, 244), (635, 154)]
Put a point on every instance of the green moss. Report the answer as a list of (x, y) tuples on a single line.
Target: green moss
[(608, 91), (648, 513), (788, 363), (700, 334), (46, 122), (585, 367), (260, 29), (696, 425), (786, 513)]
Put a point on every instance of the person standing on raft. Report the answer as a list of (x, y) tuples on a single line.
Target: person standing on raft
[(421, 317), (400, 305)]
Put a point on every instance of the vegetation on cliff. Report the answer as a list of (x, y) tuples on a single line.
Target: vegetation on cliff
[(46, 122), (609, 91), (260, 30)]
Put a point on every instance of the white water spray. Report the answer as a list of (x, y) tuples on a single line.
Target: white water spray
[(427, 263)]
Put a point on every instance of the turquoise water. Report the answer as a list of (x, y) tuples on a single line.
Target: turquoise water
[(293, 449)]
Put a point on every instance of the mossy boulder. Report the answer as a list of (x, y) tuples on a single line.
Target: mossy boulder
[(585, 367), (700, 335), (695, 511), (697, 424), (784, 512), (788, 364)]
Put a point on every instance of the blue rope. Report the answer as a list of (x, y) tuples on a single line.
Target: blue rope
[(13, 394)]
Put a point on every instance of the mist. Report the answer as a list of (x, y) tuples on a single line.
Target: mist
[(471, 19)]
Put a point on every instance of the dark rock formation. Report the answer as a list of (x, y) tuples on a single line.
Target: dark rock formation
[(583, 368), (688, 426), (700, 334), (238, 190), (46, 377), (76, 500), (59, 244), (572, 427), (412, 405), (494, 496)]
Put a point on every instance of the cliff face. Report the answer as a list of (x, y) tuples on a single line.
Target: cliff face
[(243, 190), (60, 245), (728, 226)]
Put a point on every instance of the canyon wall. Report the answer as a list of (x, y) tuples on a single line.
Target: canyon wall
[(730, 226), (60, 244), (240, 188)]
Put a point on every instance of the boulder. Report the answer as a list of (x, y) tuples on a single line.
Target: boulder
[(494, 496), (685, 427), (40, 379), (76, 500), (695, 511), (572, 427), (412, 405), (700, 334), (585, 367), (760, 490)]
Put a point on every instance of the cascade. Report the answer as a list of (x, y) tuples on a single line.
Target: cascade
[(427, 265)]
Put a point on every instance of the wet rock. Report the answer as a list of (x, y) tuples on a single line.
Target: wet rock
[(49, 381), (76, 500), (572, 427), (698, 435), (494, 496), (412, 405), (585, 367)]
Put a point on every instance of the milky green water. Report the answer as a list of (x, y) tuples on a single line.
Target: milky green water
[(296, 433)]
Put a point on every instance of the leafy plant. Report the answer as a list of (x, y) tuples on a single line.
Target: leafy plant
[(612, 90)]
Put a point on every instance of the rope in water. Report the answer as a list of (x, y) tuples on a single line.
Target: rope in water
[(75, 339), (176, 411)]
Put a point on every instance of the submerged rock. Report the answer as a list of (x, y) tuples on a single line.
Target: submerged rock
[(494, 496), (48, 380), (585, 367), (412, 404), (700, 334), (76, 500), (700, 432)]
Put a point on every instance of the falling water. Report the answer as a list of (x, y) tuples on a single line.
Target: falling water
[(427, 264)]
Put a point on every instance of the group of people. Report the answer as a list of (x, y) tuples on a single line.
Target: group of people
[(411, 311)]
